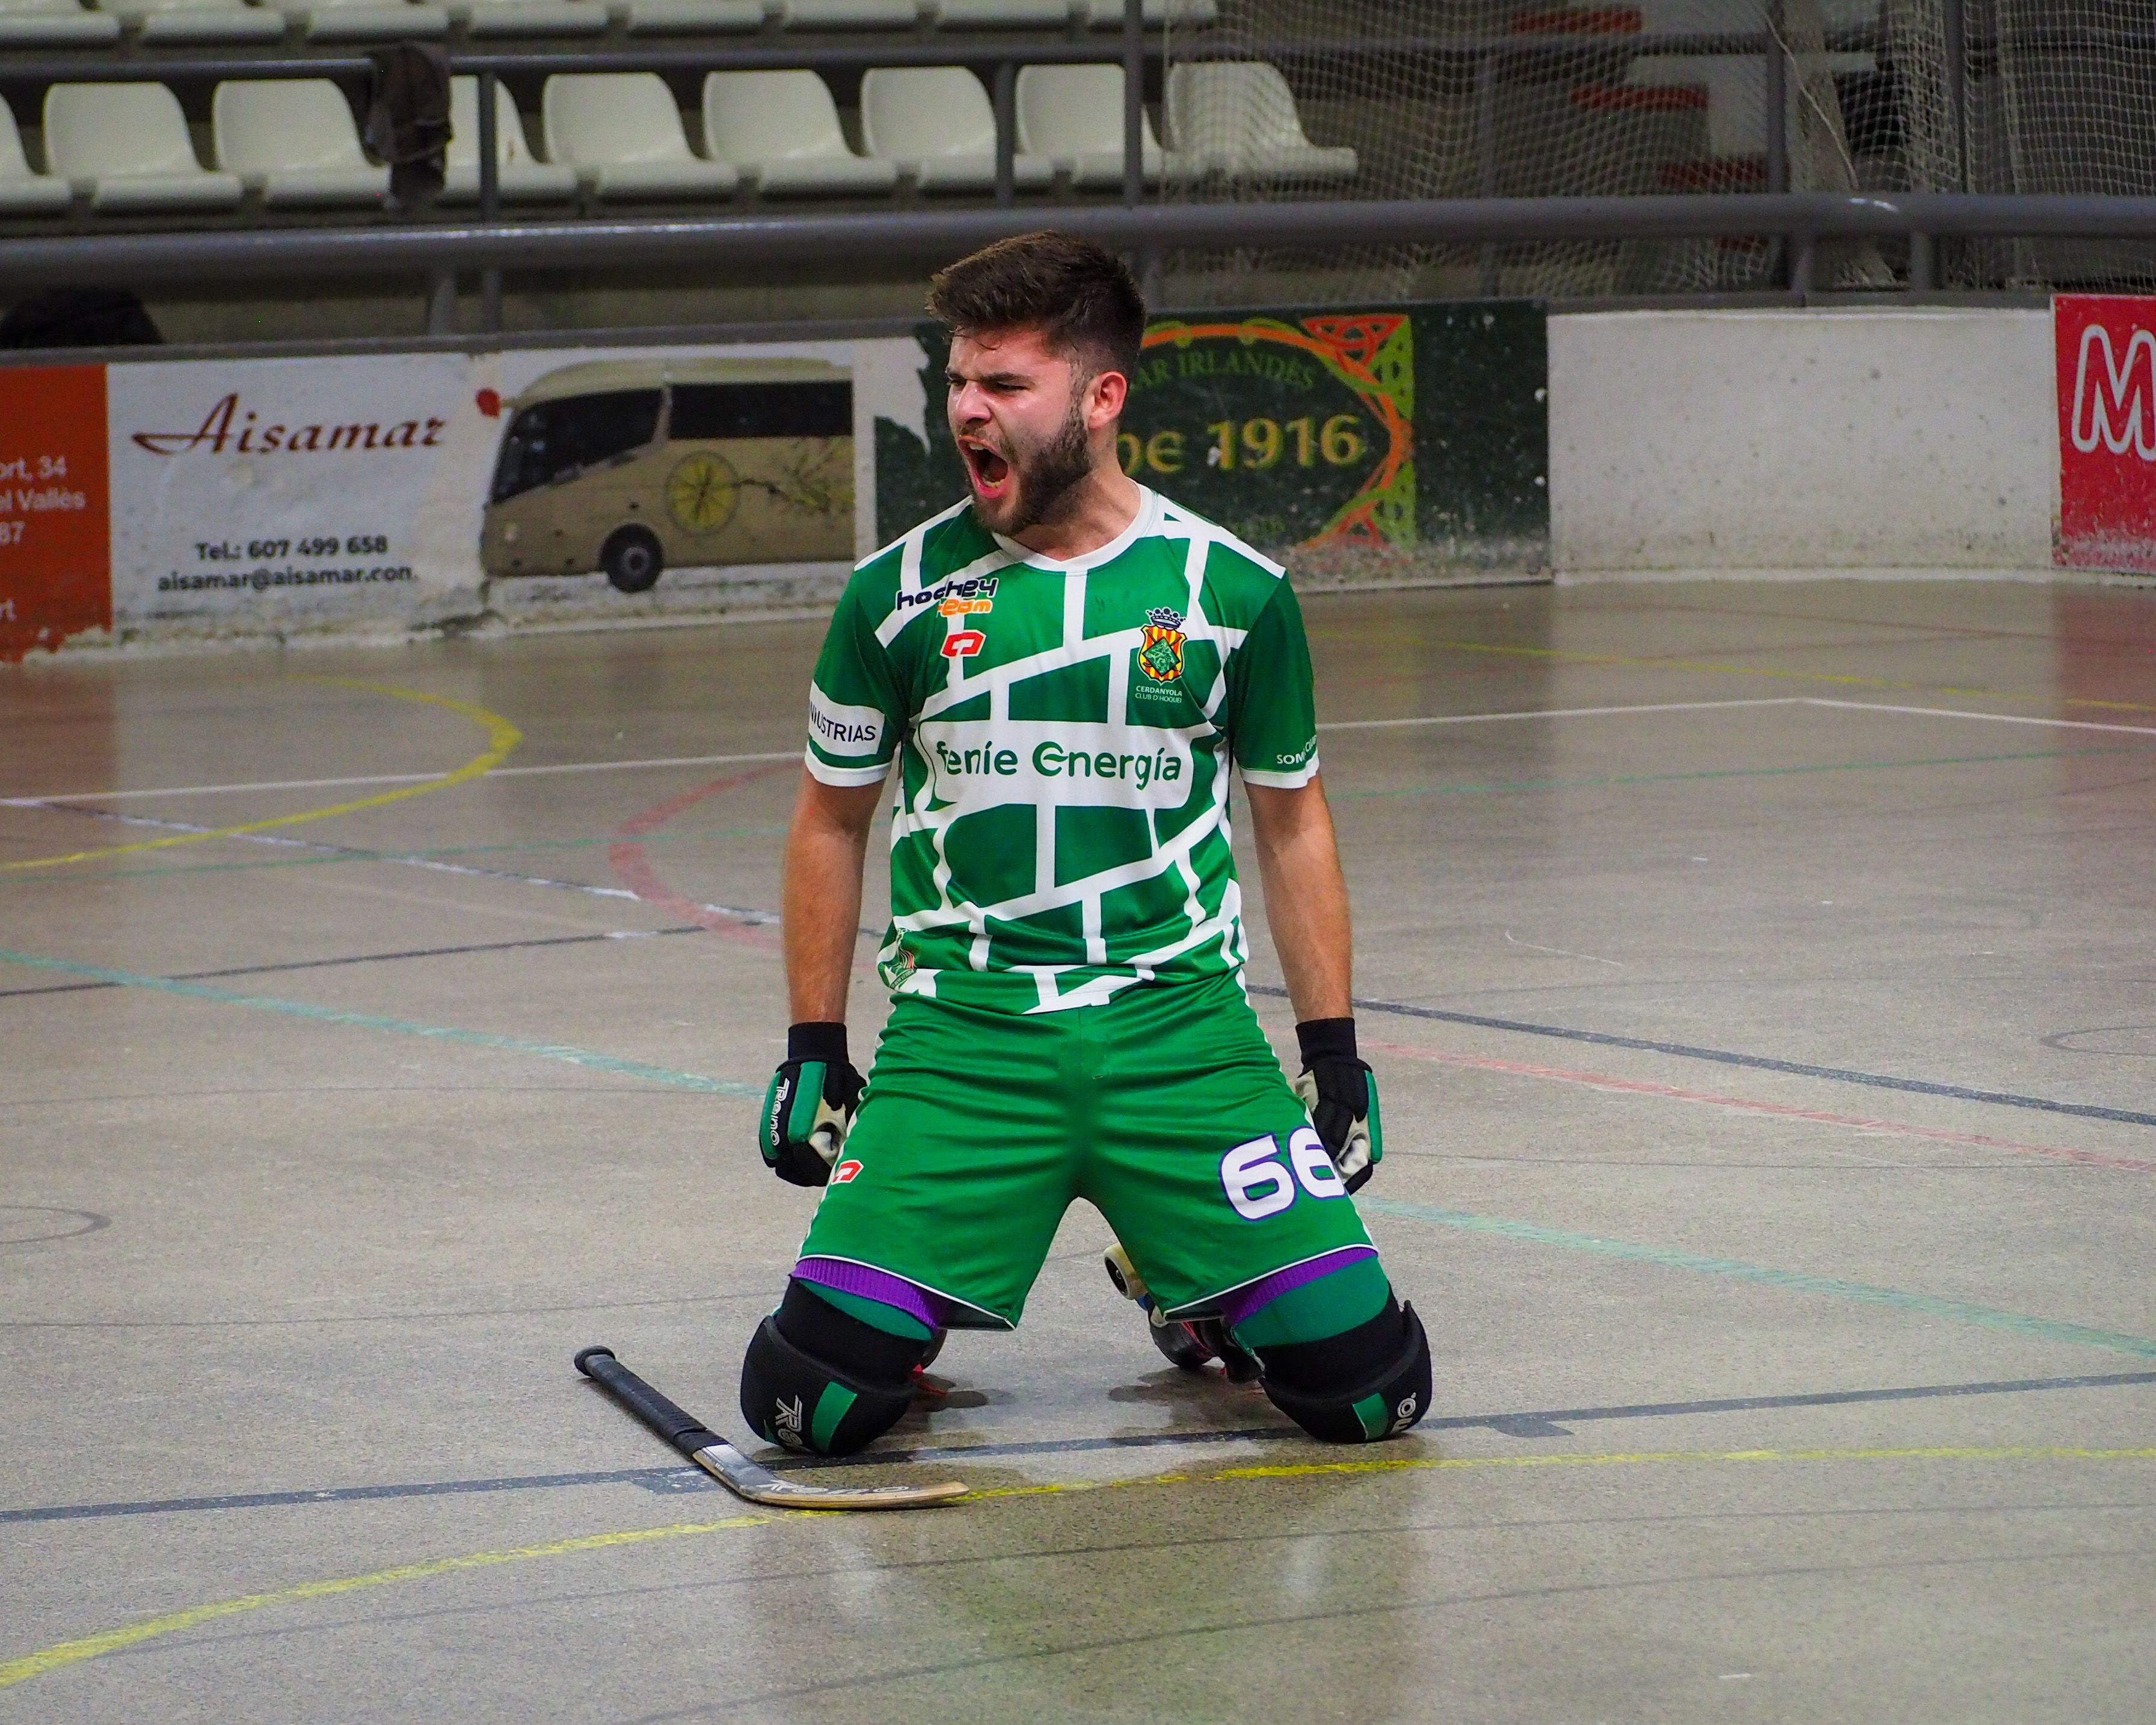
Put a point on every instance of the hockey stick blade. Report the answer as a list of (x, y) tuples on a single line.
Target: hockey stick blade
[(731, 1469)]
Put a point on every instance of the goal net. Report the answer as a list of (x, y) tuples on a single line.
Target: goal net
[(2032, 96), (1496, 98), (1275, 100)]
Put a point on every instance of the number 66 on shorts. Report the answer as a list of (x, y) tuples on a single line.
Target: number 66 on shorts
[(1255, 1173)]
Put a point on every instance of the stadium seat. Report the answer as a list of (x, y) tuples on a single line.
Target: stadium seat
[(529, 17), (23, 192), (781, 130), (54, 24), (1103, 14), (126, 146), (992, 14), (1238, 117), (935, 124), (197, 21), (368, 20), (293, 140), (622, 133), (849, 14), (663, 18), (1074, 115), (522, 178)]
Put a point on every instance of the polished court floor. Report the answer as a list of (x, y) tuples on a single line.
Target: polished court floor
[(1762, 985)]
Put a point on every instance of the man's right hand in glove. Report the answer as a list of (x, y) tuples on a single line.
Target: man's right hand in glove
[(809, 1108)]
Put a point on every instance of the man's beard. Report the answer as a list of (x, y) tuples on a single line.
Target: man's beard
[(1047, 479)]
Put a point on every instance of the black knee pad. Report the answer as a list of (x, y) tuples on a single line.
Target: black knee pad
[(816, 1377), (1365, 1384)]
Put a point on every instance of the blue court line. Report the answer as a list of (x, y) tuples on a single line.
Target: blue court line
[(1758, 1063), (402, 1027), (1793, 1280)]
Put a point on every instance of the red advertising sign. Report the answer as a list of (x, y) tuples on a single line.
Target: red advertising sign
[(2107, 359), (55, 537)]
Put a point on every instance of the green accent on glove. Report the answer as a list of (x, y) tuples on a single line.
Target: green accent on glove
[(808, 1095), (1377, 1124)]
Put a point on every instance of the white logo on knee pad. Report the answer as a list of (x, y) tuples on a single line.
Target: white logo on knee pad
[(786, 1418), (1403, 1415)]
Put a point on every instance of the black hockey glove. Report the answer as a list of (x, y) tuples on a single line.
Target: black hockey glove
[(1341, 1092), (809, 1108)]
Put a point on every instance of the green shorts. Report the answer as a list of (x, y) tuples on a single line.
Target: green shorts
[(1165, 1109)]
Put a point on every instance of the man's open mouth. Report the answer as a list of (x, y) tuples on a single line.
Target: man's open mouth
[(991, 473)]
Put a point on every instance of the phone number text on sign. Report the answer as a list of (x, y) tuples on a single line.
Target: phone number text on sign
[(255, 565)]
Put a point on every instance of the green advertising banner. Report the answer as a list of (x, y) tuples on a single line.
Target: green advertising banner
[(1406, 441)]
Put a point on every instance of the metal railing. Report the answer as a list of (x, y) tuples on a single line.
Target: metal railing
[(1797, 222)]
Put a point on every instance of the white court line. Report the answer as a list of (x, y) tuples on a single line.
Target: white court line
[(1558, 712), (316, 784), (663, 762), (1953, 713)]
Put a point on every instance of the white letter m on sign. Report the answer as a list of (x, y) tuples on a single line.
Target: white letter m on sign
[(2115, 404)]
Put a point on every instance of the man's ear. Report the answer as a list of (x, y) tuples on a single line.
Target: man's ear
[(1105, 397)]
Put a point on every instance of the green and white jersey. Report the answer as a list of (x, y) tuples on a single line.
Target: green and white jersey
[(1063, 732)]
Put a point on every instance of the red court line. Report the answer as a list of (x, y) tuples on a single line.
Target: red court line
[(633, 870), (1857, 1123)]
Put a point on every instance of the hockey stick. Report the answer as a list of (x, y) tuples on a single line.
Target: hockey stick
[(728, 1466)]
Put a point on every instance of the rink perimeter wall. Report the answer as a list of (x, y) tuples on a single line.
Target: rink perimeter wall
[(182, 497)]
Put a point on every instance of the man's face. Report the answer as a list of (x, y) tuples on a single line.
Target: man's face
[(1020, 415)]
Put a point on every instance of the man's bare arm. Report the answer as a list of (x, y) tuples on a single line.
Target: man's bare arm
[(1306, 897), (826, 849)]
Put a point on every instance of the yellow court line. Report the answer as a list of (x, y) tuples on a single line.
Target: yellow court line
[(501, 737), (62, 1653), (1745, 670)]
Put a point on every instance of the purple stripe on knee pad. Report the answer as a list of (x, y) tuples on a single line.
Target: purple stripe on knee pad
[(880, 1285), (1239, 1303)]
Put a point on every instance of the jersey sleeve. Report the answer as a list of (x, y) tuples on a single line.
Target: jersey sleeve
[(856, 715), (1272, 706)]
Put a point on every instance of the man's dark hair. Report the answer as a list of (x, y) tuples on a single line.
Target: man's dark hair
[(1079, 295)]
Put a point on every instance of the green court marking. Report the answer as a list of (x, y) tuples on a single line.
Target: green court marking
[(402, 1027), (1500, 787), (1794, 1281), (356, 855)]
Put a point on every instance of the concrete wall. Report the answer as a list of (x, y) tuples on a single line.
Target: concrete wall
[(1758, 441)]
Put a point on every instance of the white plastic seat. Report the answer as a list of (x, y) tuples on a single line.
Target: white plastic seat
[(529, 17), (935, 124), (1074, 115), (661, 17), (205, 21), (992, 14), (520, 176), (54, 24), (126, 146), (1238, 118), (1103, 14), (849, 14), (622, 133), (781, 130), (293, 141), (368, 20), (23, 192)]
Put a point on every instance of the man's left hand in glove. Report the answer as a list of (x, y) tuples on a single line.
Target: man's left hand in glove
[(809, 1108), (1341, 1092)]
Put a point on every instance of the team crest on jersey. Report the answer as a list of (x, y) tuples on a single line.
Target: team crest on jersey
[(1160, 652)]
